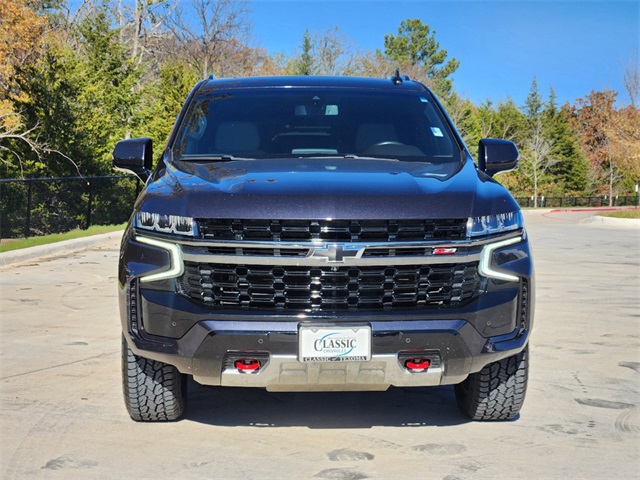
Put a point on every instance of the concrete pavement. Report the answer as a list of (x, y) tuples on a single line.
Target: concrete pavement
[(62, 414)]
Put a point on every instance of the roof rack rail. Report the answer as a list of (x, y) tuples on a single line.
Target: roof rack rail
[(397, 79)]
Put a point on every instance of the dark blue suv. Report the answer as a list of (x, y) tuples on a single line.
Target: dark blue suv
[(322, 234)]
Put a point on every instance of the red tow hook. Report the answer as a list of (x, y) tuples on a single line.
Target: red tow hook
[(417, 365), (246, 365)]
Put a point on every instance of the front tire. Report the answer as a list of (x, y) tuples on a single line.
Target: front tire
[(153, 391), (496, 392)]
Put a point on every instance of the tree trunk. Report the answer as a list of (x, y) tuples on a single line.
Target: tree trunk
[(610, 183)]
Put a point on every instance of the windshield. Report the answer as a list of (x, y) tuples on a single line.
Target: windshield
[(315, 122)]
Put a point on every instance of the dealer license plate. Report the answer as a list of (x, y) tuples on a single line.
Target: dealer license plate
[(334, 344)]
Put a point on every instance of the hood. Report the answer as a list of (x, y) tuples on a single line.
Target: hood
[(321, 188)]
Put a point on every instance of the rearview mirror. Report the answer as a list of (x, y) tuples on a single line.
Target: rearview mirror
[(497, 156)]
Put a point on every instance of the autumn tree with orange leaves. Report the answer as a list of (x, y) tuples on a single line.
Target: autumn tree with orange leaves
[(21, 33), (610, 138)]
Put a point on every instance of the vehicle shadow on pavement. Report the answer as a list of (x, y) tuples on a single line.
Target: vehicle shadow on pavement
[(397, 407)]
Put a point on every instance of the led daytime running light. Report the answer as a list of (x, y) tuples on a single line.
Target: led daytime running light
[(486, 255), (176, 268)]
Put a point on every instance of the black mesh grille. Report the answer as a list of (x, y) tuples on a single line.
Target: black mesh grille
[(332, 230), (330, 288)]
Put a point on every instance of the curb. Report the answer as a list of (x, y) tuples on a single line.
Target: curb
[(595, 220), (57, 249), (587, 210)]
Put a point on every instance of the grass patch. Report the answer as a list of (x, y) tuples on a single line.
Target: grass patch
[(635, 213), (9, 245)]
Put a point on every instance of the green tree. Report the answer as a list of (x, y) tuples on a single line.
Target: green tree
[(506, 121), (325, 53), (49, 88), (109, 93), (415, 49), (464, 116), (550, 160), (162, 100), (570, 172), (533, 104), (537, 159), (81, 96), (304, 63)]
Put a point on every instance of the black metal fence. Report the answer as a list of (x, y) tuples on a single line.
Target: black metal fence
[(39, 206), (589, 201)]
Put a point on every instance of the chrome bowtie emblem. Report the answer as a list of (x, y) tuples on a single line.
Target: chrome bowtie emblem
[(334, 253)]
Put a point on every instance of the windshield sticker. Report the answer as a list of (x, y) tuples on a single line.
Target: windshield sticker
[(436, 132), (424, 100)]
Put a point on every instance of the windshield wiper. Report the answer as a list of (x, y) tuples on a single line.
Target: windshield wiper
[(353, 156), (388, 159), (211, 158)]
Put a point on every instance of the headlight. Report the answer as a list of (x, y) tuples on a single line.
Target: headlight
[(161, 223), (492, 224)]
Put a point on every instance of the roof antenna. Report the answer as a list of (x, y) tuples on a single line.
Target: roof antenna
[(397, 79)]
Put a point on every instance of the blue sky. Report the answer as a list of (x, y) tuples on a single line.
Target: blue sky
[(574, 46)]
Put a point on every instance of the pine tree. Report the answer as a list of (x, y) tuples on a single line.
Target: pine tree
[(570, 171), (416, 50), (304, 64), (110, 80), (533, 104)]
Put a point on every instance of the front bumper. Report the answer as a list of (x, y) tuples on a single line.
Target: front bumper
[(207, 351), (163, 325)]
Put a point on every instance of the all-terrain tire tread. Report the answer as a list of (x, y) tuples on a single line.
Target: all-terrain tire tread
[(153, 391), (497, 392)]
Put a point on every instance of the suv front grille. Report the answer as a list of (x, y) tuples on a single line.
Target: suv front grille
[(332, 230), (295, 288)]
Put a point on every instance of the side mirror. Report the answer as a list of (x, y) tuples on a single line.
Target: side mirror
[(496, 156), (134, 155)]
